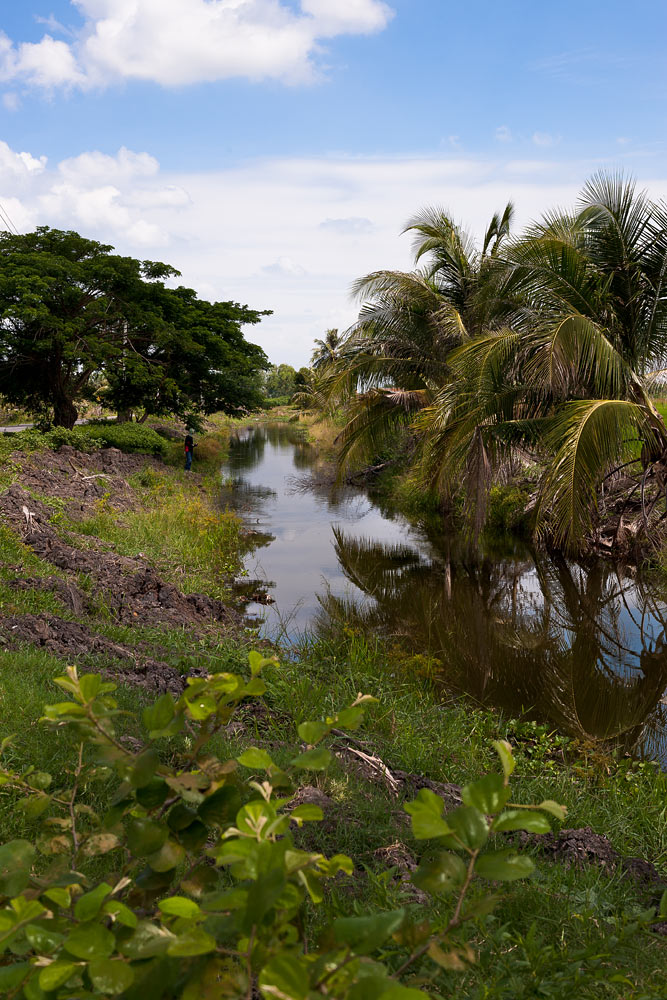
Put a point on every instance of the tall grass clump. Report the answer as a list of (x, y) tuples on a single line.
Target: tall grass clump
[(190, 543)]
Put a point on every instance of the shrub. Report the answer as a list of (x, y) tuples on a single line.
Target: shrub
[(208, 892), (271, 403), (91, 437)]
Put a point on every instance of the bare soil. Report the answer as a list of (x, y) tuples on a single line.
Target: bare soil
[(130, 589)]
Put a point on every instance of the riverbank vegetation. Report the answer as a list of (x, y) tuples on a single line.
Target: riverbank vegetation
[(532, 356), (119, 888)]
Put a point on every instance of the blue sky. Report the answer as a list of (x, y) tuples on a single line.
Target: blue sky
[(273, 149)]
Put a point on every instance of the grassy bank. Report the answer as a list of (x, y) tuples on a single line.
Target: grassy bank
[(572, 930)]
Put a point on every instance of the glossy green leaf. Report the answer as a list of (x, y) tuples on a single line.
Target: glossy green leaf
[(56, 975), (285, 976), (90, 685), (554, 808), (193, 942), (469, 828), (179, 906), (11, 976), (220, 807), (521, 819), (121, 913), (365, 934), (489, 794), (158, 716), (90, 941), (43, 937), (350, 718), (504, 751), (308, 811), (144, 836), (256, 759), (426, 812), (153, 794), (146, 942), (90, 904), (504, 866), (312, 732), (444, 873), (317, 759), (110, 977)]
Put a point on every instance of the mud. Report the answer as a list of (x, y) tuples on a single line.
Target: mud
[(70, 640), (130, 590)]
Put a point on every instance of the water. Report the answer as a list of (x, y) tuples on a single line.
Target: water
[(582, 647)]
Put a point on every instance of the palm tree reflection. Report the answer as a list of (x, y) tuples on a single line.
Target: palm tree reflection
[(581, 647)]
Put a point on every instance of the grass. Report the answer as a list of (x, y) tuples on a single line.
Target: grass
[(564, 933), (175, 528)]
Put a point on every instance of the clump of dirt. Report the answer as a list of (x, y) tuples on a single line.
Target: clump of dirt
[(69, 639)]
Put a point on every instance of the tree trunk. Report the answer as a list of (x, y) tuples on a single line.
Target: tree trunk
[(124, 417), (65, 412)]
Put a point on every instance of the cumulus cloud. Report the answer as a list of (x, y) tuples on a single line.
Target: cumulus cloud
[(545, 139), (179, 42), (353, 226), (288, 234), (503, 134)]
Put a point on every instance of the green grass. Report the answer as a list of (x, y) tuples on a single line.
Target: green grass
[(562, 934)]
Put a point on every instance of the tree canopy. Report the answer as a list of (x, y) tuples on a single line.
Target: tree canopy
[(77, 320)]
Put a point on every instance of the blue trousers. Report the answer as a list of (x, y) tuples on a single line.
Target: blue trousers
[(188, 461)]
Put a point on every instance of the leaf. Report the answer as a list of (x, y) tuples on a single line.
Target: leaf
[(100, 843), (285, 977), (258, 662), (469, 827), (121, 913), (167, 858), (157, 717), (256, 759), (221, 807), (554, 808), (56, 975), (365, 934), (144, 836), (452, 960), (504, 751), (111, 976), (521, 819), (16, 858), (489, 794), (153, 794), (89, 685), (350, 718), (146, 942), (313, 760), (90, 941), (144, 768), (11, 976), (426, 811), (308, 811), (90, 904), (43, 938), (504, 866), (179, 906), (193, 942), (444, 873), (312, 732)]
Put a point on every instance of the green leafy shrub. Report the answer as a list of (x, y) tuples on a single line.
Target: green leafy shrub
[(92, 437), (162, 870), (269, 403), (506, 511)]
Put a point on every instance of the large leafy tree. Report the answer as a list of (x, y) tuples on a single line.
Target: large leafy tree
[(74, 317)]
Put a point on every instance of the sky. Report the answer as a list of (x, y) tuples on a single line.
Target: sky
[(273, 150)]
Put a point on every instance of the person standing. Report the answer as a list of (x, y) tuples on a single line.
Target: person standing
[(189, 450)]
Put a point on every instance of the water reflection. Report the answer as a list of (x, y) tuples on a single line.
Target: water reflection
[(583, 647)]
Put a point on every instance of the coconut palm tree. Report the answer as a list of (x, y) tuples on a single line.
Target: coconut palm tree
[(394, 360), (569, 382), (326, 350)]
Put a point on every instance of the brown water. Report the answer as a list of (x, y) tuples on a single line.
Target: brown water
[(580, 646)]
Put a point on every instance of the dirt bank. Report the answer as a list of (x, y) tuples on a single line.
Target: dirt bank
[(129, 589)]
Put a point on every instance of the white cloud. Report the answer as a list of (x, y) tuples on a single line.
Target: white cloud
[(545, 139), (180, 42), (11, 101), (285, 234), (503, 134)]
